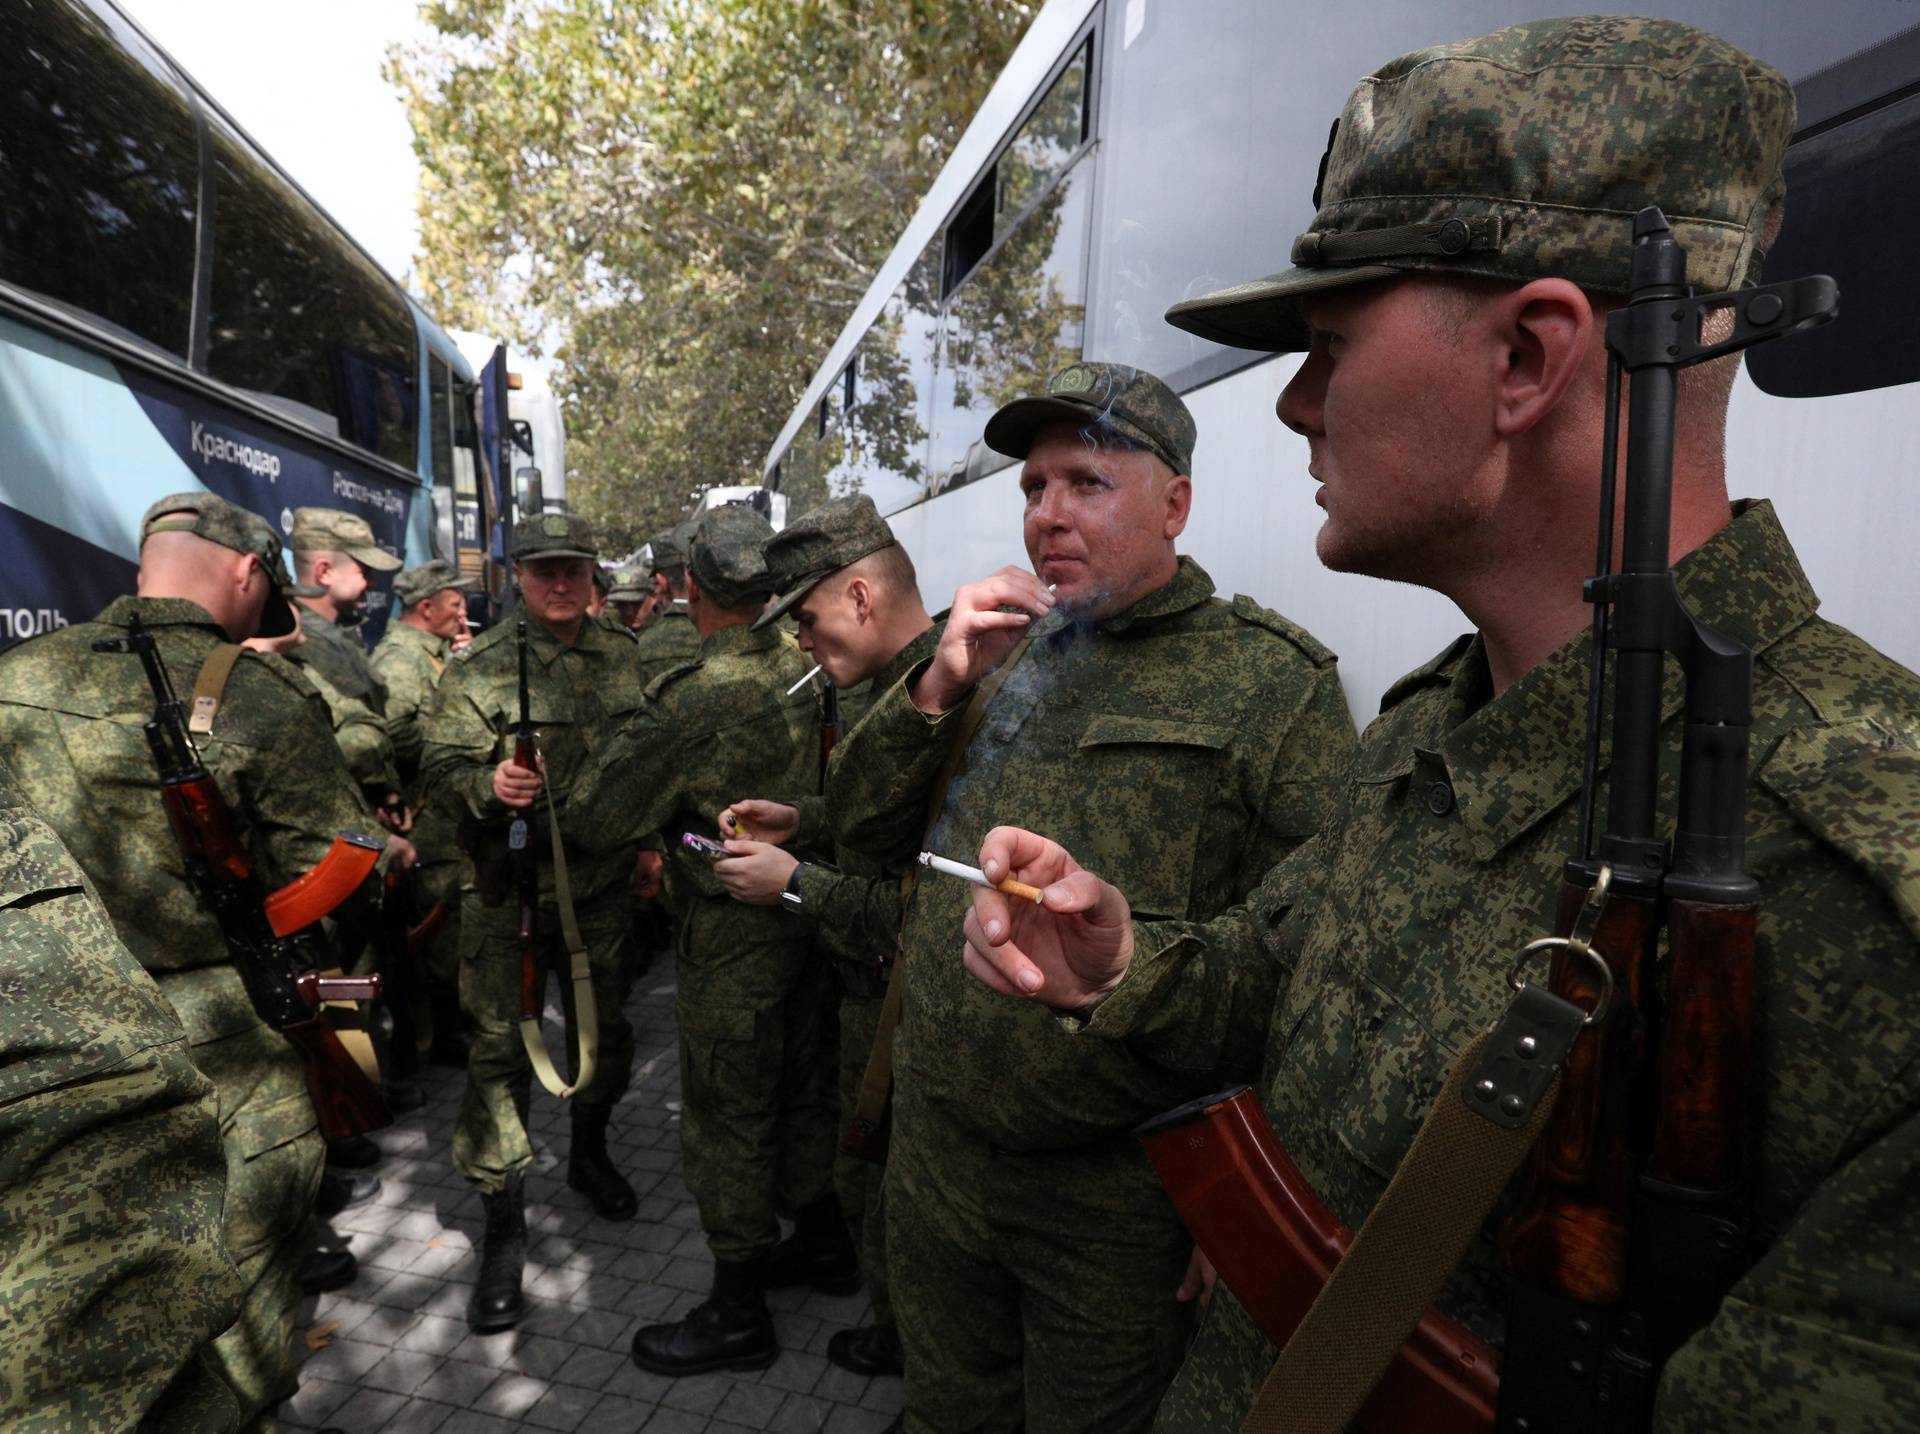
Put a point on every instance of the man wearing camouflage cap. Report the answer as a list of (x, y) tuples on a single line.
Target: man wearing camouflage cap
[(580, 684), (70, 723), (631, 596), (1032, 1256), (1473, 233), (757, 1117), (670, 639), (851, 591), (430, 627), (336, 552)]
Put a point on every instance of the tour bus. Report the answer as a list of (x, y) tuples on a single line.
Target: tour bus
[(535, 453), (1134, 153), (175, 312)]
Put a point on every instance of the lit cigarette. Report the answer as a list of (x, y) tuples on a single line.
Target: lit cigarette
[(803, 681), (979, 877)]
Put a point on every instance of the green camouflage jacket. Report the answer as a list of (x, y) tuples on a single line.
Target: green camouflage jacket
[(338, 653), (361, 732), (854, 901), (1181, 748), (70, 723), (408, 663), (577, 695), (669, 640), (712, 730), (113, 1273), (1442, 860)]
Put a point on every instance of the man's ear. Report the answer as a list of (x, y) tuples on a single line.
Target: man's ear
[(1179, 506), (1548, 329), (861, 592)]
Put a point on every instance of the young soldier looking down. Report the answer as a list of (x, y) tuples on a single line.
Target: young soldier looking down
[(1033, 1258), (851, 591), (1453, 402)]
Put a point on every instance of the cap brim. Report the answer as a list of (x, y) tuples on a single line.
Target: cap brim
[(557, 553), (784, 602), (1264, 314), (1015, 426), (379, 559)]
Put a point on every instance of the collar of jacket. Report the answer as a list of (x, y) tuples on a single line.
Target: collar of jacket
[(1514, 759), (548, 649), (740, 638), (161, 612), (1189, 587), (406, 634)]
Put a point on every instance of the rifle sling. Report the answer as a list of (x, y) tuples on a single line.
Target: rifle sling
[(876, 1086), (211, 686), (1413, 1238), (586, 1012)]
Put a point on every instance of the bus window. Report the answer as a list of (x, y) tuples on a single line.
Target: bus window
[(99, 170), (300, 316), (1045, 144), (440, 417), (1844, 219)]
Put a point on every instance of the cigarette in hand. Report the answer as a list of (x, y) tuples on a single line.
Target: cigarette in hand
[(979, 877), (803, 681)]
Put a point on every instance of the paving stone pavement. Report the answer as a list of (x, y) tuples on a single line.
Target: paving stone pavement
[(401, 1357)]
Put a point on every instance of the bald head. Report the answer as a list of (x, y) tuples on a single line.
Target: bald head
[(232, 587)]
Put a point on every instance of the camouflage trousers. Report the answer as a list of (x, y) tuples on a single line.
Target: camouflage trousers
[(1223, 1371), (860, 1183), (274, 1159), (1034, 1290), (490, 1136), (757, 1110)]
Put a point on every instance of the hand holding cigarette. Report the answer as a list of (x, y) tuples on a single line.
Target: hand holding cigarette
[(979, 635), (979, 877), (1068, 949)]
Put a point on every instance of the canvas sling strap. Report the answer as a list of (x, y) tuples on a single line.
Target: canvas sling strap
[(586, 1011), (876, 1086), (347, 1018), (1492, 1107)]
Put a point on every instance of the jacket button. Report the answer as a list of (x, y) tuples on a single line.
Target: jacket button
[(1440, 799)]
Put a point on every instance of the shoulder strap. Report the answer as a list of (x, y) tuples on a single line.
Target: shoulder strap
[(586, 1010), (211, 686), (876, 1086)]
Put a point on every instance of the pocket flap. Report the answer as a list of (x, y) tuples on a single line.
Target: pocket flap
[(717, 1023), (261, 1128), (1112, 729)]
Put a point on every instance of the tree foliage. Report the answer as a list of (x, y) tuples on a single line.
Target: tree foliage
[(681, 201)]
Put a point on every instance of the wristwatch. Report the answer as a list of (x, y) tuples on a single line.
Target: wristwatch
[(790, 898)]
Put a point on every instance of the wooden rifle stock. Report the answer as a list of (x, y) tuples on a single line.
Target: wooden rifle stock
[(1275, 1244)]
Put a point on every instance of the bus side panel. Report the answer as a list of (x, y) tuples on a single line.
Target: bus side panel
[(94, 444)]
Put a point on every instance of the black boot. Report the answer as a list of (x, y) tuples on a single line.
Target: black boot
[(730, 1330), (819, 1252), (326, 1270), (343, 1192), (590, 1171), (870, 1349), (496, 1302)]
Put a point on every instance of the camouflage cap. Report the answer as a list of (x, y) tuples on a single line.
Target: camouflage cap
[(602, 579), (1525, 154), (818, 544), (728, 555), (420, 583), (208, 515), (553, 535), (669, 549), (1130, 400), (328, 530), (631, 583)]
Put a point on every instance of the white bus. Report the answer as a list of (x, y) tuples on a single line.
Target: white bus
[(1137, 152)]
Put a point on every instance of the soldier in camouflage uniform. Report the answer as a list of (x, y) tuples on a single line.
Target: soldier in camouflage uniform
[(631, 596), (757, 1118), (1192, 742), (1351, 983), (106, 1321), (856, 602), (429, 628), (581, 682), (70, 724), (669, 639)]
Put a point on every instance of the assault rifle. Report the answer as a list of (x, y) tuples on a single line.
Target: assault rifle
[(526, 863), (263, 932), (1624, 1084), (832, 727)]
